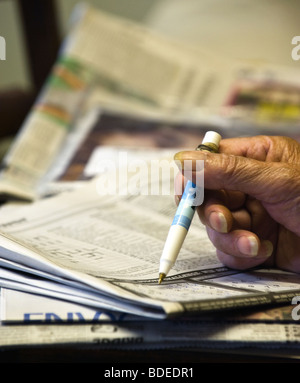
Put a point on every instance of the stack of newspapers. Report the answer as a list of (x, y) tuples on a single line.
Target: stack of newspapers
[(93, 175)]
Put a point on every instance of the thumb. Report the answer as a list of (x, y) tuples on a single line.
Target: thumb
[(275, 184)]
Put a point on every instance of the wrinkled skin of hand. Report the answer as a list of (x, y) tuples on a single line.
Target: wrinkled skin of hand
[(251, 205)]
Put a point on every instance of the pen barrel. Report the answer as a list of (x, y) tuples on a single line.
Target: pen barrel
[(173, 244), (179, 228), (185, 212), (186, 208)]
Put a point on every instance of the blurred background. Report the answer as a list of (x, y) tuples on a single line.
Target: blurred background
[(257, 30)]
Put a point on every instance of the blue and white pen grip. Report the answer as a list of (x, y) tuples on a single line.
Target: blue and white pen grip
[(186, 208), (184, 214)]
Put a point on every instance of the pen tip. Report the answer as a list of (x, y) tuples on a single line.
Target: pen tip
[(161, 277)]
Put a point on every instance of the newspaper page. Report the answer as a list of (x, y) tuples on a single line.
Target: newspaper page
[(22, 307), (153, 68), (45, 132), (111, 246), (259, 329), (198, 335)]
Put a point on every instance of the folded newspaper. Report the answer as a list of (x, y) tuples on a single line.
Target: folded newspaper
[(44, 321), (103, 251)]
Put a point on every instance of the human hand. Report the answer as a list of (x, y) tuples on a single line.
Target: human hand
[(251, 205)]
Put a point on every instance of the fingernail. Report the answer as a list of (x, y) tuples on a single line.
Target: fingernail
[(218, 221), (248, 245), (178, 156), (179, 161), (267, 248)]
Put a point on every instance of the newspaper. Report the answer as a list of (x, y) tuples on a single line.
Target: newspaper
[(20, 307), (43, 323), (103, 251), (151, 335)]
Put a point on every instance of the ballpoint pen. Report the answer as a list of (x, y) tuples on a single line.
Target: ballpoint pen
[(184, 213)]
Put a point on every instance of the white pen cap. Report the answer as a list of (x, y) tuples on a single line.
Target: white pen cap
[(212, 138)]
